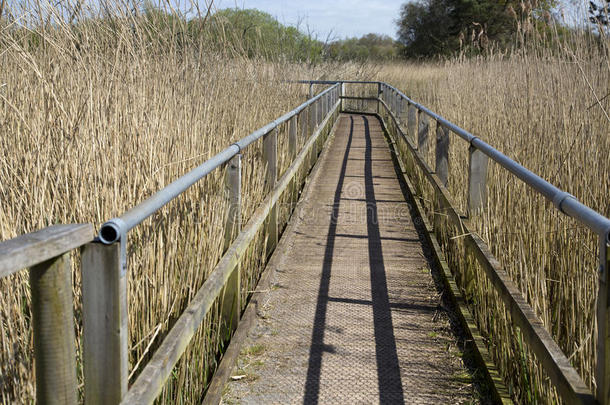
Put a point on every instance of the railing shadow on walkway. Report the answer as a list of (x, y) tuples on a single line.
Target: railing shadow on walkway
[(388, 369)]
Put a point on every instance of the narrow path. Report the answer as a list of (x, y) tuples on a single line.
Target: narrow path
[(353, 316)]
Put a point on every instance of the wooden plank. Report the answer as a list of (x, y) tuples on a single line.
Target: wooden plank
[(565, 378), (104, 323), (499, 390), (222, 374), (152, 378), (602, 371), (37, 247), (54, 348), (442, 154), (477, 181)]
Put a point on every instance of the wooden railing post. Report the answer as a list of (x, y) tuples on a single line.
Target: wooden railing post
[(270, 158), (233, 190), (105, 322), (378, 97), (477, 180), (292, 137), (442, 153), (422, 134), (342, 95), (310, 90), (53, 321), (602, 376), (231, 297), (412, 122), (312, 118)]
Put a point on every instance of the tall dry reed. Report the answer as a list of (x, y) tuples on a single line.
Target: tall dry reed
[(548, 110), (97, 113)]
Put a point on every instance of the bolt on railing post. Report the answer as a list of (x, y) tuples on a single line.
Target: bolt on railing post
[(53, 320), (602, 376), (270, 159), (412, 122), (422, 134), (231, 302), (104, 288), (442, 153), (477, 180), (292, 137)]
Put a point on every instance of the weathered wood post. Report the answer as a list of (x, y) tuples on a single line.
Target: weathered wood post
[(378, 97), (292, 137), (422, 136), (53, 321), (412, 122), (231, 302), (105, 322), (312, 117), (477, 180), (310, 90), (233, 192), (342, 95), (442, 153), (602, 371), (270, 159)]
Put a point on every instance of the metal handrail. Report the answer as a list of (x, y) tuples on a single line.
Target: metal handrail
[(112, 230), (563, 201)]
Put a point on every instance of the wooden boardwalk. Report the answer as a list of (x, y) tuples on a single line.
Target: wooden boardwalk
[(352, 315)]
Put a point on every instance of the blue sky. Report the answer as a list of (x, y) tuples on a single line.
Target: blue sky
[(344, 18), (338, 18)]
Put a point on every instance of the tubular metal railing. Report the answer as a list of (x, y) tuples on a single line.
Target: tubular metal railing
[(104, 267), (565, 378)]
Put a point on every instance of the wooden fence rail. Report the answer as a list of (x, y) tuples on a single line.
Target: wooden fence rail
[(47, 254), (104, 267)]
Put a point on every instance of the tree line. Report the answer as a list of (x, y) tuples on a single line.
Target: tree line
[(425, 29)]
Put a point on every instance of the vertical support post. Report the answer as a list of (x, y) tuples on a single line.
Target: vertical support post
[(319, 111), (412, 122), (602, 376), (292, 137), (310, 90), (312, 118), (105, 322), (342, 95), (422, 134), (54, 349), (231, 303), (477, 180), (378, 97), (233, 191), (442, 153), (270, 158)]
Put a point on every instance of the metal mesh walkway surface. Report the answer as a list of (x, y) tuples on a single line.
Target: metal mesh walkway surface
[(352, 315)]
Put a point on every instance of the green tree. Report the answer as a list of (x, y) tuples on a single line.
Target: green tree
[(440, 27), (255, 33), (368, 47)]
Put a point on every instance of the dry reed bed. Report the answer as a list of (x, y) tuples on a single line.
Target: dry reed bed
[(540, 110), (93, 122)]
